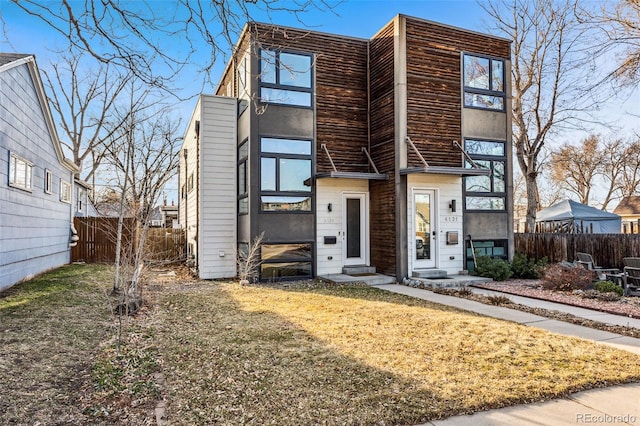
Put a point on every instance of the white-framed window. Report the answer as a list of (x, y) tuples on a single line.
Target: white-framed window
[(80, 197), (20, 173), (48, 182), (65, 191)]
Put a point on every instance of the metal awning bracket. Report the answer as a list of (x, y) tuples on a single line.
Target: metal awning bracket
[(466, 155), (324, 147), (375, 169), (415, 149)]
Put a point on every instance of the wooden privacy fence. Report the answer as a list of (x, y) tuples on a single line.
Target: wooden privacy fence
[(607, 249), (97, 240)]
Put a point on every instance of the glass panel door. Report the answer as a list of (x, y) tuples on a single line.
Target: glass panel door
[(424, 232), (354, 229)]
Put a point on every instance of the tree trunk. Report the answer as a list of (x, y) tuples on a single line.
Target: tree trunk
[(533, 200)]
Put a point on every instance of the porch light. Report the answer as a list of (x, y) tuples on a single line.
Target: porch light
[(452, 206)]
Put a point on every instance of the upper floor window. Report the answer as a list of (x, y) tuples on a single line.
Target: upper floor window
[(285, 174), (285, 78), (487, 192), (20, 173), (484, 83), (80, 196)]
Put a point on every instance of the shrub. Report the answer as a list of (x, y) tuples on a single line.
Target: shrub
[(523, 267), (564, 277), (499, 300), (495, 268), (608, 287)]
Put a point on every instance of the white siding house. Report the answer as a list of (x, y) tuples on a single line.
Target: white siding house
[(36, 181), (208, 187)]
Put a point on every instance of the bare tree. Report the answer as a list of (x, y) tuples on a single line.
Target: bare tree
[(83, 101), (620, 23), (130, 34), (546, 84), (621, 169), (142, 163), (575, 168)]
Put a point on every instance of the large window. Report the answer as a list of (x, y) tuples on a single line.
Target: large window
[(484, 83), (285, 261), (487, 192), (20, 173), (285, 174), (285, 78)]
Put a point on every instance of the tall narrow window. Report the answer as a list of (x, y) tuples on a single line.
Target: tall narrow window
[(484, 83), (65, 191), (486, 192), (285, 174), (286, 78), (20, 173), (243, 186), (48, 182)]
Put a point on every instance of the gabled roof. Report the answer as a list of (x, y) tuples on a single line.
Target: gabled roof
[(12, 60), (628, 206)]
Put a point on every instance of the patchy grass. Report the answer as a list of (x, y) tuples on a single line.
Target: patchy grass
[(356, 355), (50, 331), (220, 353)]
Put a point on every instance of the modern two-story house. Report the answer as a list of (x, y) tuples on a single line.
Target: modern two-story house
[(392, 152)]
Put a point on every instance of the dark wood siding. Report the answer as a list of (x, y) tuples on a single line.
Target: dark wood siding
[(434, 86), (341, 92), (383, 193)]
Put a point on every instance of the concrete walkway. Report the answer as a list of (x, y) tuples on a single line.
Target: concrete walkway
[(612, 405)]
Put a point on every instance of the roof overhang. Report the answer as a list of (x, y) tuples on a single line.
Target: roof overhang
[(444, 170)]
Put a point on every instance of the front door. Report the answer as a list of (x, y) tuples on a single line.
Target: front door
[(424, 232), (354, 235)]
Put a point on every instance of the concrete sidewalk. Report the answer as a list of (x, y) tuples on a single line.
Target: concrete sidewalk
[(612, 405)]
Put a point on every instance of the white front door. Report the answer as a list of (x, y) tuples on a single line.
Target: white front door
[(354, 231), (424, 232)]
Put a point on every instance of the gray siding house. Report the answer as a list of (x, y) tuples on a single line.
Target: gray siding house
[(36, 180)]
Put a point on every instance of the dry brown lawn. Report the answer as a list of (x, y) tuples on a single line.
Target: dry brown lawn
[(220, 353)]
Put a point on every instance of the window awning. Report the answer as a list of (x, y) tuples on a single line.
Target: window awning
[(351, 175), (475, 169)]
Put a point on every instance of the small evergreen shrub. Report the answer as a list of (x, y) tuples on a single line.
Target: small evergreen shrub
[(495, 268), (608, 287), (523, 267), (563, 277)]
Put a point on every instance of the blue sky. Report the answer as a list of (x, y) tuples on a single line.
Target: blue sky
[(358, 18)]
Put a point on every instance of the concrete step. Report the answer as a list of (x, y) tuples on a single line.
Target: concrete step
[(358, 270), (429, 273)]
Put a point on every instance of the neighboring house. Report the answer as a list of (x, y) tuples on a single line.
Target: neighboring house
[(164, 216), (36, 180), (83, 205), (386, 152), (629, 211)]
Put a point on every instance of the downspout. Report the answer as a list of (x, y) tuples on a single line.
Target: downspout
[(369, 95)]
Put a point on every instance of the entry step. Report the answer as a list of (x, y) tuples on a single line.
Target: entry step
[(429, 273), (358, 269)]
